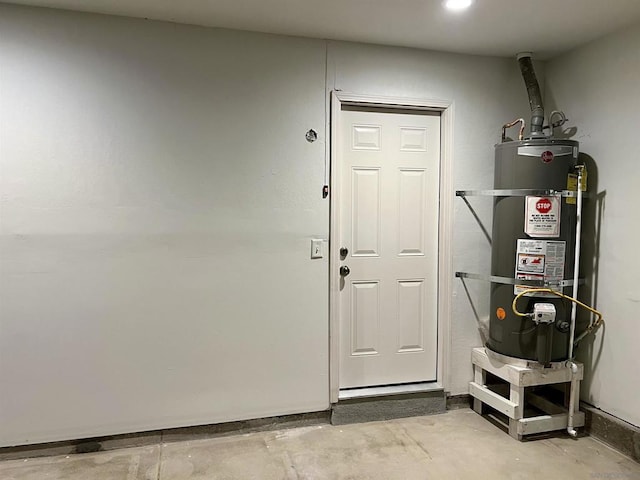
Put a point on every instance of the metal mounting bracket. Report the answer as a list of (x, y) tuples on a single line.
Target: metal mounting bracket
[(521, 192), (518, 281)]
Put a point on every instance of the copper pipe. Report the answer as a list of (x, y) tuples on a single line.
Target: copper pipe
[(511, 124)]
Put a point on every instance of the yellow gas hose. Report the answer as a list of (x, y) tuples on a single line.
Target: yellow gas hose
[(592, 326)]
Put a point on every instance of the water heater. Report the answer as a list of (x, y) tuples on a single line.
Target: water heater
[(533, 241)]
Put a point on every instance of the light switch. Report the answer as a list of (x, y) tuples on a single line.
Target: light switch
[(316, 248)]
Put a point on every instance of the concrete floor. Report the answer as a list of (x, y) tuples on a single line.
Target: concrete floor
[(456, 445)]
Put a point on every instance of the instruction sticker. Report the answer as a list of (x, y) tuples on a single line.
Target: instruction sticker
[(539, 260), (542, 216)]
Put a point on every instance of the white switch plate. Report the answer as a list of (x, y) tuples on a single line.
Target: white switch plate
[(316, 248)]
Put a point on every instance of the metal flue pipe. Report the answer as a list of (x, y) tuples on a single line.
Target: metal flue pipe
[(535, 97)]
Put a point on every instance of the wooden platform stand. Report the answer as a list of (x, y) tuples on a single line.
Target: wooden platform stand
[(520, 375)]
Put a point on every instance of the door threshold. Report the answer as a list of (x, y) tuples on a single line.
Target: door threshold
[(385, 390)]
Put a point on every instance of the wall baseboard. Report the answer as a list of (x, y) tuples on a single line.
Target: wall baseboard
[(455, 402), (155, 437), (613, 431)]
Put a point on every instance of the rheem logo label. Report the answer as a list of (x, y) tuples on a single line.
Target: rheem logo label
[(543, 205)]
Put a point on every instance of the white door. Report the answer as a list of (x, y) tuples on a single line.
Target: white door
[(388, 182)]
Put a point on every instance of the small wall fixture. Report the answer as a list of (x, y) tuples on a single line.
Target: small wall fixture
[(457, 5), (311, 136)]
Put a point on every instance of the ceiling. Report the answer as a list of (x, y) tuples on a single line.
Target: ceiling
[(489, 27)]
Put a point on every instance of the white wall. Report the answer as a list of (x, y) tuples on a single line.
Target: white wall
[(157, 203), (597, 87)]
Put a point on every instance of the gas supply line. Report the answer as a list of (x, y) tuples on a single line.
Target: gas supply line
[(593, 325)]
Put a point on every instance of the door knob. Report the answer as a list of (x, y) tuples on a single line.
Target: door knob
[(344, 270)]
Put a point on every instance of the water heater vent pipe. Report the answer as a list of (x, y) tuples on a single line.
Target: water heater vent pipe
[(535, 97)]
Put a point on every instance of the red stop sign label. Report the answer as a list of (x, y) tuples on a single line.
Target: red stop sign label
[(547, 156), (543, 205)]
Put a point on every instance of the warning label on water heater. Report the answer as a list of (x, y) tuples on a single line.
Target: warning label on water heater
[(542, 216), (539, 260)]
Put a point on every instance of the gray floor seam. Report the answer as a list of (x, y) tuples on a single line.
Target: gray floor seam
[(160, 449)]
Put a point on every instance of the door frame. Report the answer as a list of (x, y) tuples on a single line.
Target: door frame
[(445, 226)]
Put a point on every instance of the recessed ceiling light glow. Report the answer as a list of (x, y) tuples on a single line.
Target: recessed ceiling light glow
[(457, 4)]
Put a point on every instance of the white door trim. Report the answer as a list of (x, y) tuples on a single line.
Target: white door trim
[(445, 226)]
